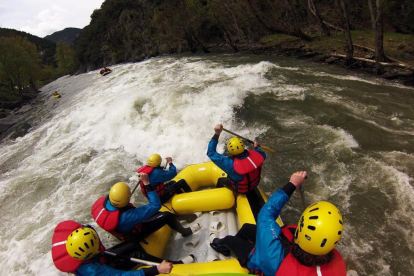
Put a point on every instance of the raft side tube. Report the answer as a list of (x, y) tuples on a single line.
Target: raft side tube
[(244, 211), (157, 241), (207, 268), (200, 175), (203, 201)]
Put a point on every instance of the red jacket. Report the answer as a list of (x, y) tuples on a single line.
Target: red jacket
[(291, 267), (62, 260), (108, 220), (159, 188), (250, 167)]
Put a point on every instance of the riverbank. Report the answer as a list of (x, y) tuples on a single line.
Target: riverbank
[(328, 50), (14, 117), (399, 49)]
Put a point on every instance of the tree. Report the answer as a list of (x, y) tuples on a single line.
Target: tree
[(378, 28), (19, 64), (65, 58), (343, 10), (314, 10)]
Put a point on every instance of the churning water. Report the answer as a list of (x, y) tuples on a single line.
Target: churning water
[(353, 134)]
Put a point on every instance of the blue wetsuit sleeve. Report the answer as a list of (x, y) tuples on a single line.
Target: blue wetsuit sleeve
[(95, 268), (223, 162), (159, 175), (135, 216), (269, 252)]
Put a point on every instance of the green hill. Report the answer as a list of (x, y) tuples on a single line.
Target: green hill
[(45, 47), (68, 36)]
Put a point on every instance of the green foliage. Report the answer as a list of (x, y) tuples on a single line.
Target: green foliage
[(19, 65), (408, 14), (276, 39), (46, 47), (132, 30), (68, 36), (65, 58)]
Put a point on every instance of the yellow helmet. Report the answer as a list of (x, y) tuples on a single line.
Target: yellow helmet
[(235, 146), (120, 194), (83, 243), (154, 160), (319, 228)]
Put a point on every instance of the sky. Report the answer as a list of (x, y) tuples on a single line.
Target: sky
[(44, 17)]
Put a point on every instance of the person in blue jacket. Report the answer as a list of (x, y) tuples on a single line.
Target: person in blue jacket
[(267, 249), (115, 214), (159, 177), (244, 167), (77, 249)]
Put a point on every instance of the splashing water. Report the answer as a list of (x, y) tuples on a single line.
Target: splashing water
[(352, 134)]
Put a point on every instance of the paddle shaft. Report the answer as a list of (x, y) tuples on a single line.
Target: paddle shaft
[(134, 260), (250, 141), (267, 149), (136, 186), (302, 194)]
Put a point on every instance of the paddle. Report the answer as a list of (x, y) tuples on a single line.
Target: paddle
[(302, 195), (134, 260), (136, 186), (267, 149)]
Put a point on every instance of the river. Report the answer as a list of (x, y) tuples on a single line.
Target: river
[(353, 133)]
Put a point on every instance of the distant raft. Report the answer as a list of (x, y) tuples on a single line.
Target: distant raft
[(217, 212), (56, 95), (105, 71)]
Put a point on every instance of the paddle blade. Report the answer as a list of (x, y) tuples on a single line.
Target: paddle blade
[(267, 149)]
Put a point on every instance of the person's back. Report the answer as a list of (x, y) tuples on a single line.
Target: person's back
[(309, 250), (267, 249), (77, 249), (119, 217), (159, 176), (244, 167), (300, 263)]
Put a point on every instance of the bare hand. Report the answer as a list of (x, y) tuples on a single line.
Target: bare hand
[(169, 160), (144, 178), (298, 178), (218, 129), (164, 267), (256, 144)]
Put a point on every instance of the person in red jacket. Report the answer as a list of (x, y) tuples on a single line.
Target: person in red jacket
[(115, 214), (161, 178), (77, 249), (244, 167), (307, 249)]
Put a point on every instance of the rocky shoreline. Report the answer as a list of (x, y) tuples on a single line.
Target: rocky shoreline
[(14, 119), (394, 74)]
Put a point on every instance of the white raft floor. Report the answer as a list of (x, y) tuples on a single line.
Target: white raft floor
[(221, 223)]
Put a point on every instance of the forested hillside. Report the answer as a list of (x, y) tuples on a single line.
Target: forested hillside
[(27, 62), (131, 30), (67, 36), (47, 48)]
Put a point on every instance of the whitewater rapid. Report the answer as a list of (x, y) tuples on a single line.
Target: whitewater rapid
[(103, 128)]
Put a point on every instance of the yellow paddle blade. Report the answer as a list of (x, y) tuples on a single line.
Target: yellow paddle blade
[(267, 149)]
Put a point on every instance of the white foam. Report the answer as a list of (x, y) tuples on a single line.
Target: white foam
[(104, 128), (99, 132)]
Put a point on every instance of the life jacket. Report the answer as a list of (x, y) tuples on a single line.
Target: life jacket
[(62, 260), (251, 168), (291, 267), (108, 220), (158, 187)]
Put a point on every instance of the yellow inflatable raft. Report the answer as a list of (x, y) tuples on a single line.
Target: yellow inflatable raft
[(218, 210)]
